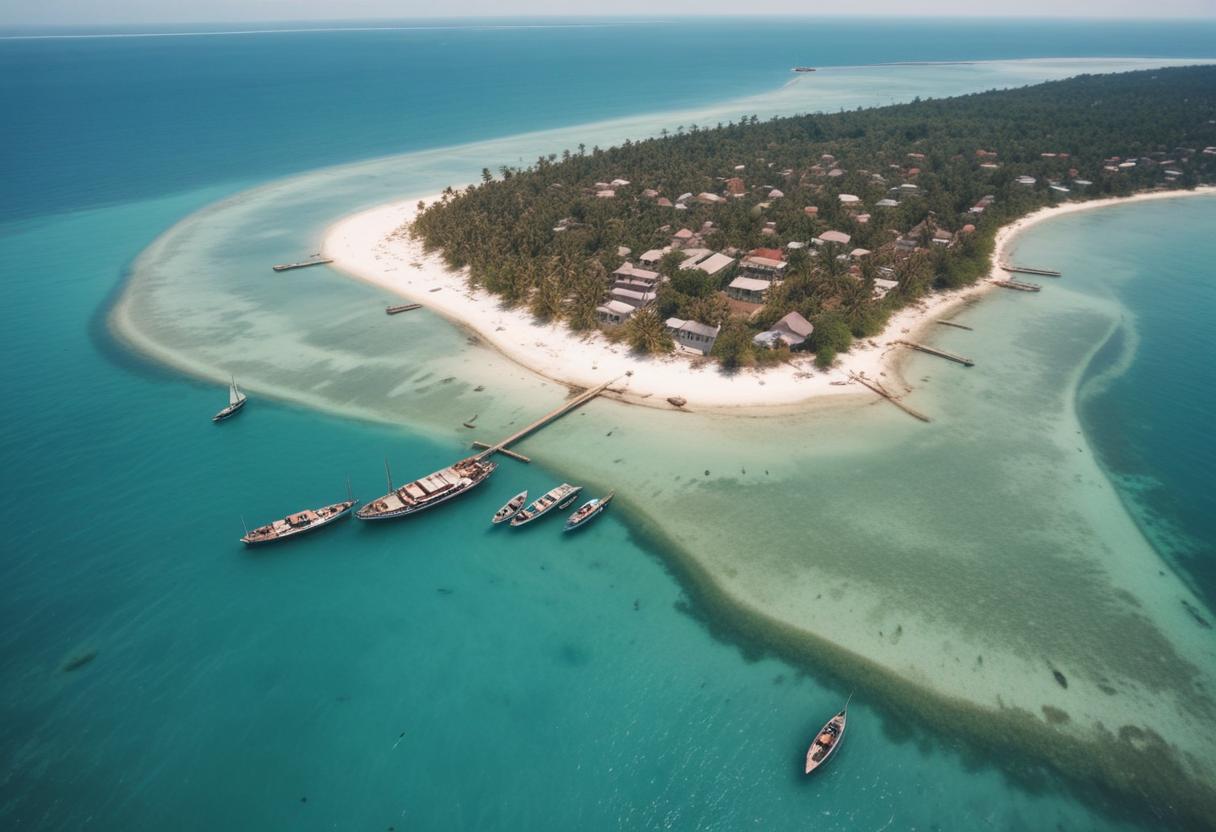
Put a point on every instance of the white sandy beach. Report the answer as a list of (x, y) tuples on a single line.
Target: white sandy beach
[(370, 246)]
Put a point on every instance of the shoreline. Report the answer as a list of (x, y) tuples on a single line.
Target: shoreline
[(371, 246)]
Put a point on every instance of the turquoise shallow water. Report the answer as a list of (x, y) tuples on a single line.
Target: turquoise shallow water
[(433, 675)]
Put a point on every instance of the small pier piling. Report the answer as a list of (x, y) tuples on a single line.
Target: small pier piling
[(949, 356), (571, 404), (882, 391), (1030, 270), (956, 326), (405, 307), (1019, 285)]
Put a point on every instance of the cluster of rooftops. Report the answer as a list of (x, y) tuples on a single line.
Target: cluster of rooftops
[(752, 274)]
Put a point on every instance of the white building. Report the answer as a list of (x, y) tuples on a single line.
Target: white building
[(693, 335)]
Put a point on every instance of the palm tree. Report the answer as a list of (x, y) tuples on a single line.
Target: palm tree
[(646, 332)]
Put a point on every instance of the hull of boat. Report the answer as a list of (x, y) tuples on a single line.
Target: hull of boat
[(506, 513), (574, 525), (396, 514), (564, 502), (229, 411), (813, 765), (287, 535)]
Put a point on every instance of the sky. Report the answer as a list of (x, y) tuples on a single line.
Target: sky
[(67, 12)]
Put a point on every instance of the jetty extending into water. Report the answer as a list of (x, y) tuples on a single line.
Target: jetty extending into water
[(1030, 270), (949, 356), (553, 415), (303, 264), (1019, 285), (956, 326), (405, 307), (877, 387)]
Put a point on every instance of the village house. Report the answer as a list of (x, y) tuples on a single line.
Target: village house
[(652, 256), (693, 335), (713, 265), (882, 286), (835, 237), (748, 289), (764, 263), (628, 271), (709, 199), (681, 238), (791, 330), (637, 298), (735, 186), (613, 313)]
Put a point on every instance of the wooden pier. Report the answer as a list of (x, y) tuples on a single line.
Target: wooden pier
[(1030, 270), (1019, 285), (886, 394), (956, 326), (405, 307), (567, 406), (304, 264), (949, 356)]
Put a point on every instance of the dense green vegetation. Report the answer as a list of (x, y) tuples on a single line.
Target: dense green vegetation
[(504, 228)]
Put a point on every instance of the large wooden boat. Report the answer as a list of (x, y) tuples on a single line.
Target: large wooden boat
[(429, 491), (510, 509), (236, 400), (560, 497), (826, 741), (588, 511), (297, 524)]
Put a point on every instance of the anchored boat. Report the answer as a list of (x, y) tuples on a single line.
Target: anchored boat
[(827, 741), (510, 509), (560, 497), (429, 491), (236, 400), (297, 524), (588, 511)]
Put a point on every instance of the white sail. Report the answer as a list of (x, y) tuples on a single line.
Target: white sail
[(235, 395)]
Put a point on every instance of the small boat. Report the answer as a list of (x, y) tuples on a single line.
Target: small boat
[(560, 497), (429, 491), (804, 69), (588, 511), (298, 523), (511, 508), (827, 741), (236, 400)]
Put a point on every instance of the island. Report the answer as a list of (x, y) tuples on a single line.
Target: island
[(790, 255)]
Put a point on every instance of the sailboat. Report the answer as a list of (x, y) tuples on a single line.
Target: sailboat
[(236, 400)]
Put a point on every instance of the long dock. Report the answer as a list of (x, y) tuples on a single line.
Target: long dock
[(572, 404), (882, 391), (1030, 270), (317, 261), (405, 307), (949, 356), (956, 326), (1019, 285)]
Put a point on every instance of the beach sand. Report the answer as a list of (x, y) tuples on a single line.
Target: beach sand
[(372, 246)]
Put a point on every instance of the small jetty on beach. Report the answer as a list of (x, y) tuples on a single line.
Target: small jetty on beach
[(1019, 285), (314, 260), (877, 387), (1029, 270), (405, 307), (949, 356)]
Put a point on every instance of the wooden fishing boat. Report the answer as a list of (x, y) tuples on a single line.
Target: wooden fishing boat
[(429, 491), (297, 524), (510, 509), (826, 741), (560, 497), (236, 400), (588, 511)]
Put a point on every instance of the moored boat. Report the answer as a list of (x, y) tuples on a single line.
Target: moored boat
[(236, 400), (429, 491), (510, 508), (588, 511), (298, 523), (826, 741), (560, 497)]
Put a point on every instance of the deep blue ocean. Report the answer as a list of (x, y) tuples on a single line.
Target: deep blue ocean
[(429, 677)]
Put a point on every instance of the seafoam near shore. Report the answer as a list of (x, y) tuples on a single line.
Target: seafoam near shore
[(375, 247)]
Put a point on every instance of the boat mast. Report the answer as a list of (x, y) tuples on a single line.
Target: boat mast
[(348, 496), (245, 525), (388, 473)]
